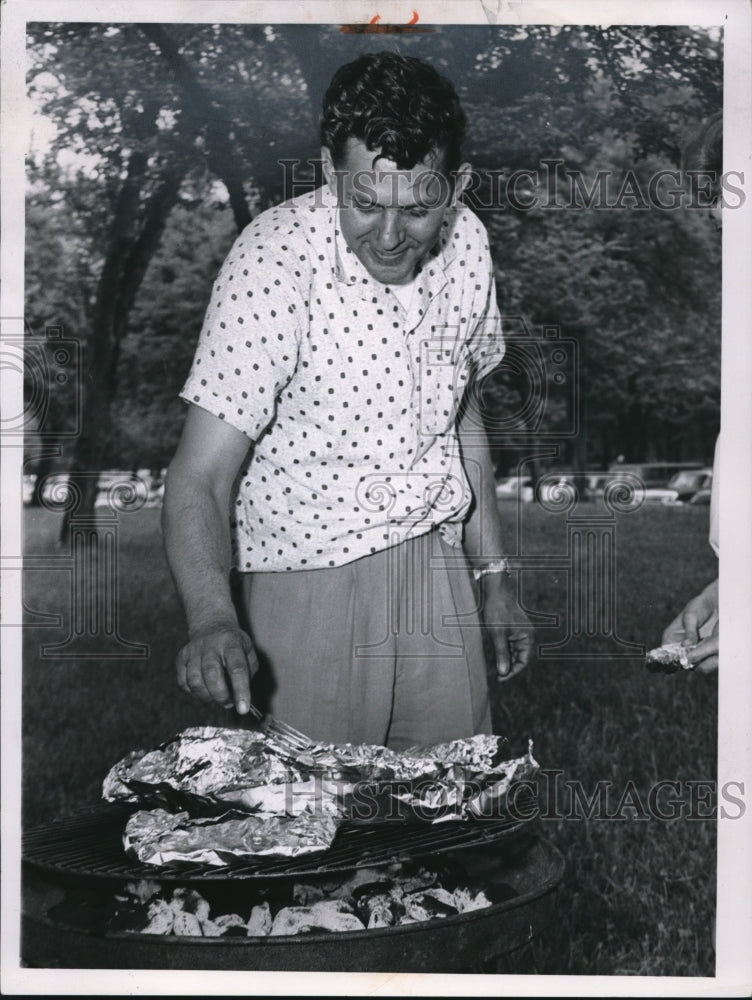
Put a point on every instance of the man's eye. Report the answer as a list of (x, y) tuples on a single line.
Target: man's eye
[(365, 206)]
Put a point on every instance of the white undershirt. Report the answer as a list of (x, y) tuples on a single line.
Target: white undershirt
[(404, 293)]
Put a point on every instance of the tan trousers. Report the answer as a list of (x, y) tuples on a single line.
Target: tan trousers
[(386, 650)]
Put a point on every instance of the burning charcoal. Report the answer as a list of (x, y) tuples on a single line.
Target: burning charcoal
[(210, 929), (441, 895), (421, 879), (190, 901), (229, 925), (186, 924), (369, 889), (291, 920), (144, 889), (260, 921), (422, 906), (161, 918), (130, 916), (330, 915), (363, 876), (466, 899), (376, 910), (304, 894), (235, 930), (381, 917)]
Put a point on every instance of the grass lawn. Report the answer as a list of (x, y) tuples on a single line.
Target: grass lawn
[(639, 893)]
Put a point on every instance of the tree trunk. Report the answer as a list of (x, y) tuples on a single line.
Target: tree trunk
[(45, 465), (134, 237), (221, 156)]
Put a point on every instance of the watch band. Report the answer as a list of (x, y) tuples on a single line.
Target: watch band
[(495, 566)]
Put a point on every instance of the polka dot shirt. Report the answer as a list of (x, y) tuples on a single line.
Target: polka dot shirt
[(349, 399)]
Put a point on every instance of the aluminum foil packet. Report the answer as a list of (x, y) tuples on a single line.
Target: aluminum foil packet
[(208, 770), (159, 837), (669, 658), (211, 795)]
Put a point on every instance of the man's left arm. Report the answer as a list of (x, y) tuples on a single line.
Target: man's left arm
[(501, 613)]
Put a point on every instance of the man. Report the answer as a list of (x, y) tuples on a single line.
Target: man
[(325, 395)]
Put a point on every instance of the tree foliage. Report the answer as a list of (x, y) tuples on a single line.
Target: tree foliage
[(170, 137)]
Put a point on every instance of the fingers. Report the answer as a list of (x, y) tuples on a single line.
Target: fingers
[(696, 617), (239, 673), (522, 643), (708, 666), (691, 626), (704, 656), (217, 667), (503, 657), (513, 651), (190, 674), (673, 632)]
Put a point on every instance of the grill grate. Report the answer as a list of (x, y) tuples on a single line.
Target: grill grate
[(90, 845)]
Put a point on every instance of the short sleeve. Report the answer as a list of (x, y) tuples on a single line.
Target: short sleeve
[(247, 350)]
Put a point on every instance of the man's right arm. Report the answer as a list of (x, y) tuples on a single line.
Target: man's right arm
[(218, 661)]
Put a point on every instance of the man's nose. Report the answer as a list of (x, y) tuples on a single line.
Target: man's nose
[(391, 231)]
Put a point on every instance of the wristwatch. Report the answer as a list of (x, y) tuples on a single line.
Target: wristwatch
[(495, 566)]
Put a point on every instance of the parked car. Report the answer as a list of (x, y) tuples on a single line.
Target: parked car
[(518, 488), (585, 486), (655, 478), (653, 475), (596, 484), (553, 487), (113, 485), (689, 482), (700, 498)]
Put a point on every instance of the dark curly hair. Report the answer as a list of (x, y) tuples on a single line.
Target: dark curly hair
[(398, 105)]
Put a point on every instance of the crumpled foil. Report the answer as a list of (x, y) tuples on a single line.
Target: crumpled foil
[(158, 837), (217, 794)]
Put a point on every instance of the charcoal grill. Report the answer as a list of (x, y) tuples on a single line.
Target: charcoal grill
[(83, 853)]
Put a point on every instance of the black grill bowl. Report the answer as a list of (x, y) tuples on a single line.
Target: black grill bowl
[(467, 942)]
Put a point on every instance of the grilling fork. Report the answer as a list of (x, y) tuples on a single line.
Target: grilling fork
[(289, 738), (295, 743)]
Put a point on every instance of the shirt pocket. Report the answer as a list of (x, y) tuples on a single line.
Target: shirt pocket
[(444, 374)]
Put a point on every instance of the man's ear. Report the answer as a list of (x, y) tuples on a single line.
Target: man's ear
[(462, 177), (328, 169)]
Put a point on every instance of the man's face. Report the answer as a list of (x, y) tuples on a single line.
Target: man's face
[(390, 218)]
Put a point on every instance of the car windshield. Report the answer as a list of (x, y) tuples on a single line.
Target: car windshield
[(688, 479)]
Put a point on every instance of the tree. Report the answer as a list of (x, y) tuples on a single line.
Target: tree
[(157, 118)]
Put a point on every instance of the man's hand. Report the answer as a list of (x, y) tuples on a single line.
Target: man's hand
[(508, 625), (696, 627), (217, 665)]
